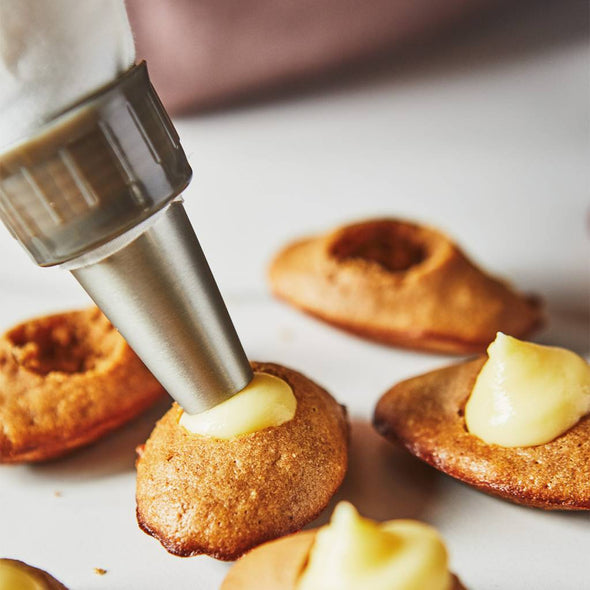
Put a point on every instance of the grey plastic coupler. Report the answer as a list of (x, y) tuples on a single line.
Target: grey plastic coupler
[(96, 191)]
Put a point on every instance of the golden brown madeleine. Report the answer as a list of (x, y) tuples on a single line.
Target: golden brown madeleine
[(66, 380), (277, 565), (12, 569), (401, 284), (425, 414), (199, 494)]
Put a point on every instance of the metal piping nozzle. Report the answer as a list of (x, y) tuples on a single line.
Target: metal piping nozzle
[(96, 191), (159, 292)]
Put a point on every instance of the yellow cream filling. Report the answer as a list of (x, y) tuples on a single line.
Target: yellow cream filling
[(527, 394), (266, 401), (14, 577), (355, 553)]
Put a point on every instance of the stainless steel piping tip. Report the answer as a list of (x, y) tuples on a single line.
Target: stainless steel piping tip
[(160, 294)]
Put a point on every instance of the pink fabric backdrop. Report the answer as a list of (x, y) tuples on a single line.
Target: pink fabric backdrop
[(202, 53)]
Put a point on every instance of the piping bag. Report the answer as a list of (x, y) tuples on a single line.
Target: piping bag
[(91, 181)]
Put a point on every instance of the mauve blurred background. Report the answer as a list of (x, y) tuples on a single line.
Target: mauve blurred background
[(208, 53)]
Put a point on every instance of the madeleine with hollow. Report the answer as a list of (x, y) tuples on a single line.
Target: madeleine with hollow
[(66, 380), (202, 490), (401, 284)]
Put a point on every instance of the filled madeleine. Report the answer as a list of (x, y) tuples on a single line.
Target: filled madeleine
[(223, 495)]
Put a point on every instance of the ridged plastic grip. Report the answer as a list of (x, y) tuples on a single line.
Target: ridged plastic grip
[(98, 169)]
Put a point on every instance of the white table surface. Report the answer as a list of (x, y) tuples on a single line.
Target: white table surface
[(495, 152)]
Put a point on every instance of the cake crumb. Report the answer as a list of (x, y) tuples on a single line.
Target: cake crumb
[(100, 571), (57, 494)]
